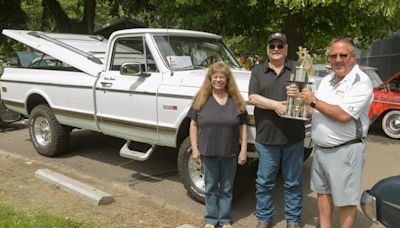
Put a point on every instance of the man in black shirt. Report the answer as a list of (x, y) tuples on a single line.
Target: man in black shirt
[(279, 142)]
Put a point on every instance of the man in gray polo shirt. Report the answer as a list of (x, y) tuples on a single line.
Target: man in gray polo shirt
[(339, 126)]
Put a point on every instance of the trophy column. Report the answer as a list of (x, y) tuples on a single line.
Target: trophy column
[(297, 109)]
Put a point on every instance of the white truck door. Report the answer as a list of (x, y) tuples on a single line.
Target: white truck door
[(126, 104)]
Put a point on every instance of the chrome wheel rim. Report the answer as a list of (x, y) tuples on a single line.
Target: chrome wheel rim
[(196, 173), (393, 124), (42, 131)]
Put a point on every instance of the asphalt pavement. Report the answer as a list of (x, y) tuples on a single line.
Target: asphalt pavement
[(96, 155)]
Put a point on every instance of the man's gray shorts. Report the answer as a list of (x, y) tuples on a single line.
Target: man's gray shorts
[(338, 172)]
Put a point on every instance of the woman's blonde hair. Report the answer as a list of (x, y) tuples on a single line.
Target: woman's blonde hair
[(231, 87)]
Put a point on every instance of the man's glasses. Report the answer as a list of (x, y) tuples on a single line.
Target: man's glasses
[(341, 56), (273, 46)]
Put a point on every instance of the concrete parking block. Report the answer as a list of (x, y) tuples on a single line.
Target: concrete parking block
[(94, 195)]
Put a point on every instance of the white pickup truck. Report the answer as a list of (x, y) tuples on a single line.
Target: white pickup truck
[(138, 86)]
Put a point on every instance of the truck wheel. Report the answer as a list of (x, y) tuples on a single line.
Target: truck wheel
[(48, 136), (190, 172), (391, 124)]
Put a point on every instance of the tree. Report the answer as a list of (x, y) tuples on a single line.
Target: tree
[(11, 16), (323, 20), (55, 18), (74, 16), (308, 23), (244, 24)]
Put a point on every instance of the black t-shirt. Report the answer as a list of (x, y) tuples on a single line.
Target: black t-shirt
[(270, 128), (219, 133)]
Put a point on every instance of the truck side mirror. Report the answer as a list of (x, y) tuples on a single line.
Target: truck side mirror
[(132, 69)]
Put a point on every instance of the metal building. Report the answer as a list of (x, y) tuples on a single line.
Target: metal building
[(383, 54)]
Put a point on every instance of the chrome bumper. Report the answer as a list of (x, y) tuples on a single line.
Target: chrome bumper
[(368, 206)]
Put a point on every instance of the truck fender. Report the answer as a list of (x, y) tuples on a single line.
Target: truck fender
[(183, 129), (35, 97)]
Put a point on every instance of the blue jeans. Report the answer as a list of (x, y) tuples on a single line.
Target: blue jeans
[(290, 158), (219, 175)]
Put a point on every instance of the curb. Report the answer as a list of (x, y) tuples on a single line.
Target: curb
[(94, 195)]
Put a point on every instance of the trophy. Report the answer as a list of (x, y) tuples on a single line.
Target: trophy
[(296, 108)]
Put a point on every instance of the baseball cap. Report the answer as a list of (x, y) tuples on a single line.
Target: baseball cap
[(277, 36)]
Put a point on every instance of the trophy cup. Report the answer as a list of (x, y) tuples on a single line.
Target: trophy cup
[(296, 108)]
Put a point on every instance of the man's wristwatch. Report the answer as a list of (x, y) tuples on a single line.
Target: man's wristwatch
[(313, 103)]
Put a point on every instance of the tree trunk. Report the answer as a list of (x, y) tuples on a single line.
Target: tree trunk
[(53, 10), (88, 15), (294, 31)]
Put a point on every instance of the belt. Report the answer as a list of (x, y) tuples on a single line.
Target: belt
[(343, 144)]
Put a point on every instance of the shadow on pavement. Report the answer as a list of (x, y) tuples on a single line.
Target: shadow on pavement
[(6, 127)]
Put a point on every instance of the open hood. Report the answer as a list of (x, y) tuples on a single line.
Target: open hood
[(84, 52), (390, 79)]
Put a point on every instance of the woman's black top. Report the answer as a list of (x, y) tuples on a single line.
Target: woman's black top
[(219, 133)]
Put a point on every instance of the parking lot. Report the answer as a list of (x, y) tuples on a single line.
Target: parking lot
[(95, 156)]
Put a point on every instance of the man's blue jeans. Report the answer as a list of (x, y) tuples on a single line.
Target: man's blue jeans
[(289, 158), (219, 175)]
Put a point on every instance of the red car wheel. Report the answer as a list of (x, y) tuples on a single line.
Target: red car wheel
[(391, 124)]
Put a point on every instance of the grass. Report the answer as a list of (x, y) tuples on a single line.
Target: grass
[(17, 219)]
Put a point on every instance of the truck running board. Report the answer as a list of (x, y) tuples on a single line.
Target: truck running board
[(141, 152)]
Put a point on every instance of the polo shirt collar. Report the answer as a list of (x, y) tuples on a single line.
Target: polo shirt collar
[(288, 64), (351, 76)]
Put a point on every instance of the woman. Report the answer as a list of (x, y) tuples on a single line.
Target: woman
[(219, 140)]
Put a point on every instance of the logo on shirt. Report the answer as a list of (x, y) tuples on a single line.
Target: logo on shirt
[(339, 93)]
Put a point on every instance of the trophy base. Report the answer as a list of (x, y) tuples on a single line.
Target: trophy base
[(295, 118)]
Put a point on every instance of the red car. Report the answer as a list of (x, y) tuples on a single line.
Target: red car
[(386, 104)]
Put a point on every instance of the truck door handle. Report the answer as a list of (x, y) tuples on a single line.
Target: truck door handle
[(106, 84)]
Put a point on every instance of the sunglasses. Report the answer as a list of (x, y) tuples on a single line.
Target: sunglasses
[(273, 46), (341, 56)]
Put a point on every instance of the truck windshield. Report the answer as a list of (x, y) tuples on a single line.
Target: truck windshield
[(185, 53)]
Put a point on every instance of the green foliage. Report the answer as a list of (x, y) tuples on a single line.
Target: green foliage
[(387, 8), (33, 13), (245, 25), (11, 16), (309, 23), (103, 15), (27, 14), (11, 218)]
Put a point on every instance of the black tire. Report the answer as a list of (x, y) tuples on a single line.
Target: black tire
[(48, 136), (391, 124), (190, 172)]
